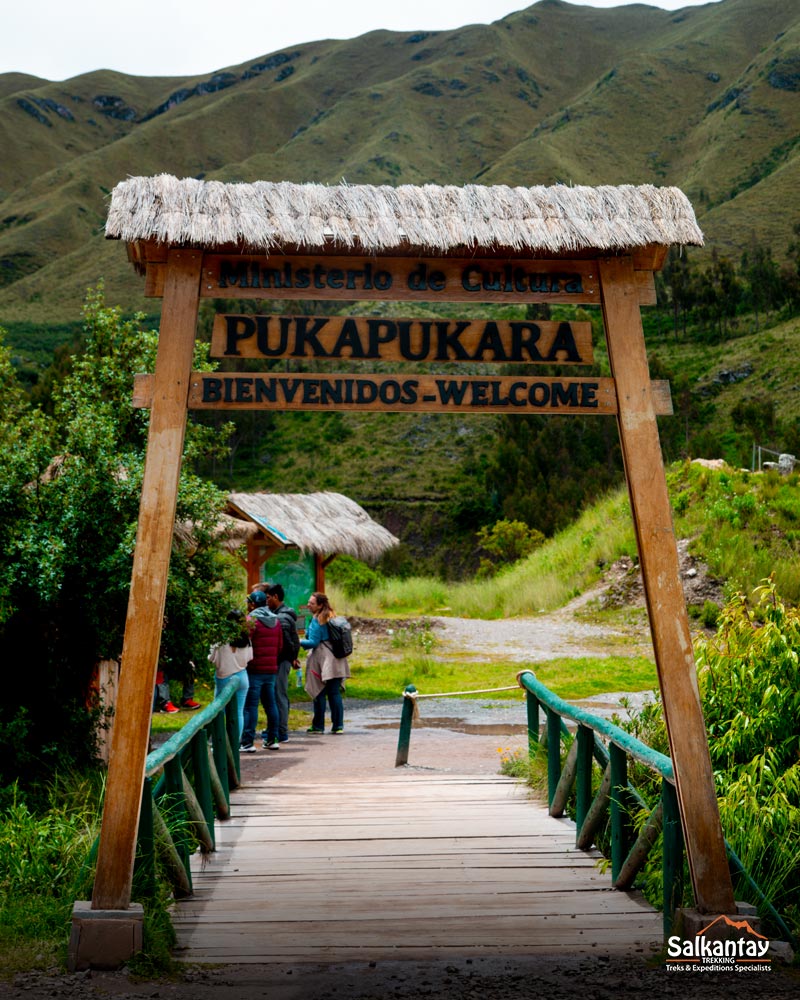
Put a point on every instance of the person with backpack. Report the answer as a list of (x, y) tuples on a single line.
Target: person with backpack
[(325, 672), (288, 655)]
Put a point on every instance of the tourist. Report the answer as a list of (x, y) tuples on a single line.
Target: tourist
[(230, 661), (266, 636), (288, 655), (324, 672)]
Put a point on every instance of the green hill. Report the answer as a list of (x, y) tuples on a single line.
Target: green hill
[(705, 98)]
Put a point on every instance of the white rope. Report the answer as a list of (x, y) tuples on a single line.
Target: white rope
[(453, 694)]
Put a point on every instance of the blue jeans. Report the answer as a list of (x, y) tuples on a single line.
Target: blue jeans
[(333, 695), (242, 682), (260, 689)]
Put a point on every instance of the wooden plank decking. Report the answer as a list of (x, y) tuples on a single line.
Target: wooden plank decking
[(401, 866)]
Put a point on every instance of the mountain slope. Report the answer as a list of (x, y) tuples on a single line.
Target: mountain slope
[(707, 98)]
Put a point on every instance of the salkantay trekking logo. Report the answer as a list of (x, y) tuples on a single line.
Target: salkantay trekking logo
[(703, 953)]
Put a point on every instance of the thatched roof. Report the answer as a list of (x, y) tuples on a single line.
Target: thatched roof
[(323, 523), (265, 215), (230, 532)]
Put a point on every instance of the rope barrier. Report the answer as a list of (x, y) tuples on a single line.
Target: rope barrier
[(453, 694)]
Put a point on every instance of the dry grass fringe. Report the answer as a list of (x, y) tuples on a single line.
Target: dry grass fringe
[(265, 214)]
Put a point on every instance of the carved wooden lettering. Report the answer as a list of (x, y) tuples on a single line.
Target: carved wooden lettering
[(279, 277), (357, 338), (401, 393)]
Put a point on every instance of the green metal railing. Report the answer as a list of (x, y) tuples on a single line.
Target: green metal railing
[(615, 795), (619, 797), (187, 784)]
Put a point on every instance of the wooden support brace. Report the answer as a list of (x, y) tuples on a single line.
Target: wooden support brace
[(218, 792), (638, 853), (564, 786), (202, 830), (594, 817)]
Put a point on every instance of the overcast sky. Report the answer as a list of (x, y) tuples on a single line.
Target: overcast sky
[(58, 39)]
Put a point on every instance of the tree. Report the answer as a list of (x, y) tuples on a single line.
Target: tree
[(69, 501), (678, 281), (762, 280)]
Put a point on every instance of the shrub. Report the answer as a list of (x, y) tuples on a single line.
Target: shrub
[(352, 576)]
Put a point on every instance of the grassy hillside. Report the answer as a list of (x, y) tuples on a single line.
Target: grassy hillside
[(705, 98), (741, 526)]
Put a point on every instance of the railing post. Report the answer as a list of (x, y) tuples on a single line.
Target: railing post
[(202, 777), (146, 853), (406, 718), (583, 779), (173, 783), (618, 806), (218, 740), (234, 741), (553, 753), (672, 854), (532, 706)]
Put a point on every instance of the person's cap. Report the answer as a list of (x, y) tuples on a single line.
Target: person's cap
[(258, 597)]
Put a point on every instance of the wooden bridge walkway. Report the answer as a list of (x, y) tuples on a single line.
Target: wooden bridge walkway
[(397, 865)]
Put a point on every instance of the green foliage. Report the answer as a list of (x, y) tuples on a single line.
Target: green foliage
[(44, 844), (69, 498), (749, 676), (506, 542), (749, 680), (352, 576), (743, 526)]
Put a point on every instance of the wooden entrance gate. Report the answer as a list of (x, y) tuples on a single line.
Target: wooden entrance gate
[(600, 246)]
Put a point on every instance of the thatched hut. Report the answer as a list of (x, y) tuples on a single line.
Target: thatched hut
[(292, 537)]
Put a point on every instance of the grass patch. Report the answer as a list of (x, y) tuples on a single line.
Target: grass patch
[(43, 869), (564, 567), (385, 679)]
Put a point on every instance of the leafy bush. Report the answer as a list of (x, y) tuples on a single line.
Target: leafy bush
[(69, 498), (506, 542), (749, 679), (352, 576)]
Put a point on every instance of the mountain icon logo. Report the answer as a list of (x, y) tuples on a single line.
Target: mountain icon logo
[(739, 925)]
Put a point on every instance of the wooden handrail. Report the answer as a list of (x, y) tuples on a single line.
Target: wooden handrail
[(194, 788)]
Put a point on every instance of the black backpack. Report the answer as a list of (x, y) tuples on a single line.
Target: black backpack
[(291, 640), (340, 637)]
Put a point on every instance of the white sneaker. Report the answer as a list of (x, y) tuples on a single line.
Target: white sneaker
[(272, 746), (247, 749)]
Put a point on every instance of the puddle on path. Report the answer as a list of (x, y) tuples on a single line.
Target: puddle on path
[(458, 726)]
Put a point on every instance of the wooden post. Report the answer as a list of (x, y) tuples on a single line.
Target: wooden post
[(584, 739), (406, 721), (532, 710), (112, 888), (658, 556)]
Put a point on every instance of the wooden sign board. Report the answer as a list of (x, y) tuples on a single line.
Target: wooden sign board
[(399, 278), (401, 393), (361, 338)]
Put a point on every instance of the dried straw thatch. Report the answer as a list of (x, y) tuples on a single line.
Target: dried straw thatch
[(266, 215), (230, 533), (322, 523)]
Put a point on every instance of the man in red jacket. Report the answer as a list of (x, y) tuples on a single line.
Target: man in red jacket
[(266, 636)]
